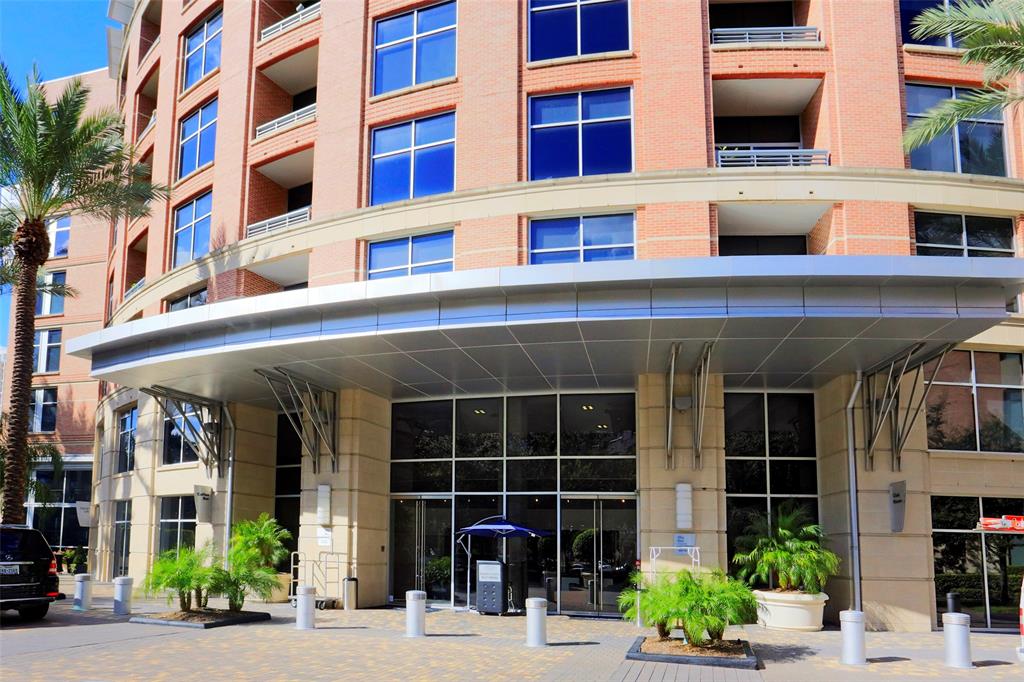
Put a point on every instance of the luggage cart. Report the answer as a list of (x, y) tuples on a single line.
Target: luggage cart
[(325, 573)]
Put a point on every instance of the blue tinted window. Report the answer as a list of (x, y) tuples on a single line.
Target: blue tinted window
[(413, 159), (202, 51), (192, 229), (909, 10), (587, 238), (564, 28), (975, 146), (198, 139), (417, 47), (47, 303), (586, 133), (410, 255), (60, 234)]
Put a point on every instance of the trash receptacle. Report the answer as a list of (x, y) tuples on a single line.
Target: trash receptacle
[(350, 593)]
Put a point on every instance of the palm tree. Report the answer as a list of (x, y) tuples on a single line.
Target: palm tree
[(54, 159), (991, 33)]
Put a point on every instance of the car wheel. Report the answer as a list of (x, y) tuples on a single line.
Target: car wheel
[(31, 613)]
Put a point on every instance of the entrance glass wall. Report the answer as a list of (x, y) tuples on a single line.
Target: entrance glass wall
[(561, 464), (984, 568)]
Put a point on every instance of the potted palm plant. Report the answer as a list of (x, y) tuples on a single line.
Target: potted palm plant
[(265, 538), (789, 554)]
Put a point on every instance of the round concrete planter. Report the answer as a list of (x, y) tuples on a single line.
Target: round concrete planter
[(790, 610)]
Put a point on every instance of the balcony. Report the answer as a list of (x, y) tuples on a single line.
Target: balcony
[(281, 222), (297, 116), (148, 127), (135, 288), (726, 157), (765, 34), (291, 21)]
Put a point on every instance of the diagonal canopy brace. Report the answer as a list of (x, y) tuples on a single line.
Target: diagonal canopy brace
[(701, 375), (204, 437), (883, 408), (306, 403)]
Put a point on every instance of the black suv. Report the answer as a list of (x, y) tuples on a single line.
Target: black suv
[(28, 572)]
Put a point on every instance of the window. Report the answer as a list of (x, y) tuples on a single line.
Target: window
[(59, 231), (178, 446), (287, 484), (977, 402), (583, 133), (410, 256), (202, 50), (51, 505), (412, 48), (177, 523), (943, 234), (47, 303), (42, 410), (46, 351), (198, 138), (564, 28), (413, 159), (974, 146), (193, 300), (192, 229), (750, 245), (127, 421), (910, 9), (586, 239), (122, 536), (770, 457)]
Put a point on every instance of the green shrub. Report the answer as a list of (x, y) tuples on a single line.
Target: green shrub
[(183, 572), (789, 550), (703, 604), (246, 573), (265, 536)]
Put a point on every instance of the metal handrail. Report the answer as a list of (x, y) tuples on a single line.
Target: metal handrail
[(765, 34), (149, 124), (299, 215), (149, 50), (755, 158), (135, 288), (308, 111), (300, 17)]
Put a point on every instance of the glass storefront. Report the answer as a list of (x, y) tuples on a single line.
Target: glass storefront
[(561, 464), (985, 568)]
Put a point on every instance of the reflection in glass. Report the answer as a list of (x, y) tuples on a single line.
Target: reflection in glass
[(1001, 419), (603, 424), (598, 475), (1004, 554), (531, 425), (421, 430), (746, 476), (421, 477), (744, 425), (468, 510), (532, 474), (532, 562), (958, 568), (950, 416), (791, 425), (478, 476), (478, 427), (954, 512)]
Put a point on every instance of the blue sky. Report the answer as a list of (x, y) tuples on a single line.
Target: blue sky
[(61, 37)]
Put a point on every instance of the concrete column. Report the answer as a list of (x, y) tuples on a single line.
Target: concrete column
[(536, 622), (123, 596), (415, 613), (83, 592)]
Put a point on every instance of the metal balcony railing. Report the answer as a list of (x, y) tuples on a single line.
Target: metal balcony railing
[(765, 34), (296, 217), (300, 17), (149, 50), (149, 125), (757, 158), (306, 112), (134, 289)]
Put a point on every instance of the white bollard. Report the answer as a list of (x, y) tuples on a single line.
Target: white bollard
[(956, 630), (123, 596), (854, 648), (83, 592), (305, 602), (536, 622), (415, 613)]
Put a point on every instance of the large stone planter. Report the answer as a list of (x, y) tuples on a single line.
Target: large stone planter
[(280, 593), (797, 611)]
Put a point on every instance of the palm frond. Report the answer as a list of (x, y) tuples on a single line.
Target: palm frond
[(970, 21), (945, 116)]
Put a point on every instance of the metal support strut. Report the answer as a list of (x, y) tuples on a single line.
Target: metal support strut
[(670, 451), (201, 423), (310, 409), (880, 408), (701, 374)]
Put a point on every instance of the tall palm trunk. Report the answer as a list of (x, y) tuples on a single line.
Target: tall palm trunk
[(31, 249)]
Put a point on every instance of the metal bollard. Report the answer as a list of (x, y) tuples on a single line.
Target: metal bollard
[(350, 594), (953, 602), (956, 631), (415, 613), (305, 602), (854, 648), (123, 596), (536, 622), (83, 592)]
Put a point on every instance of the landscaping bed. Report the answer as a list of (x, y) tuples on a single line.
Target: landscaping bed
[(202, 618), (734, 653)]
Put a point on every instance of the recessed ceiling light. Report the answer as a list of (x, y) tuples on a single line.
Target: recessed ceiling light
[(587, 408), (479, 411), (602, 426)]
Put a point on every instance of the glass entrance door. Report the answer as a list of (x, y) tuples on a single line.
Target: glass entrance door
[(421, 536), (599, 549)]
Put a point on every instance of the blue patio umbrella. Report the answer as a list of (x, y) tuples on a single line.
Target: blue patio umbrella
[(492, 527)]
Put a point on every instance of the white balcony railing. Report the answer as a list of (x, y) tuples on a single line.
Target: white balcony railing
[(149, 50), (135, 288), (296, 217), (306, 112), (766, 34), (757, 158), (300, 17), (149, 125)]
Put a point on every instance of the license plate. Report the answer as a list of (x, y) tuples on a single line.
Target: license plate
[(9, 570)]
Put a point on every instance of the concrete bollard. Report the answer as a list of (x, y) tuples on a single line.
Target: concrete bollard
[(83, 592), (305, 603), (854, 648), (956, 631), (415, 613), (350, 593), (536, 622), (123, 596)]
